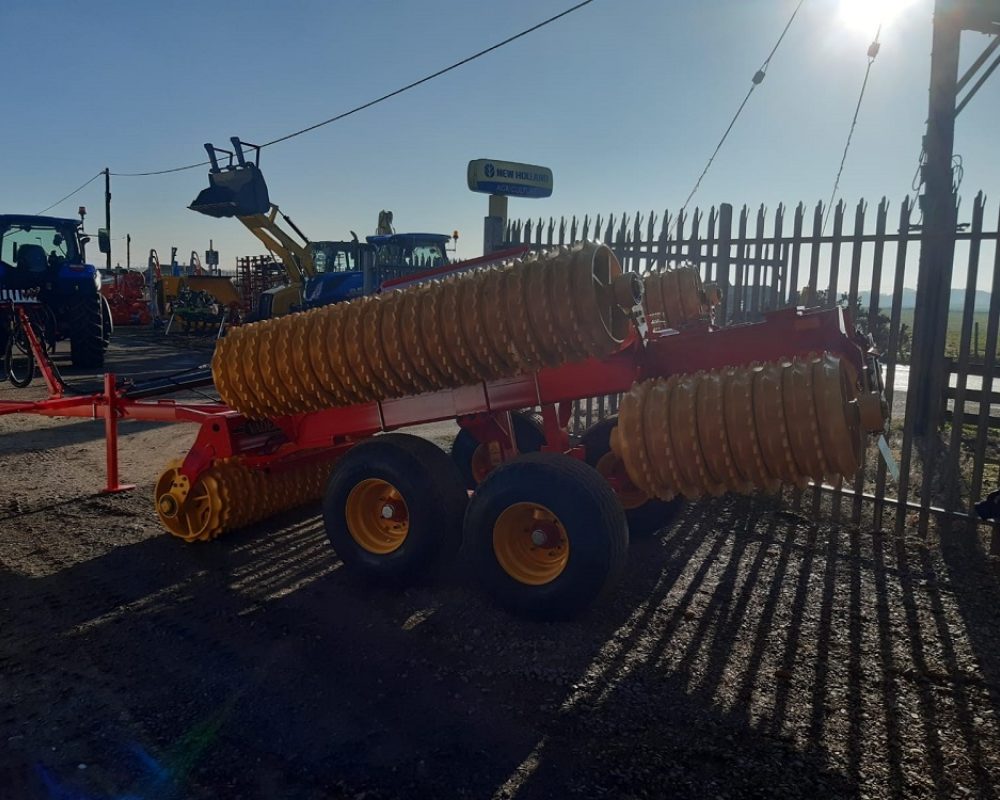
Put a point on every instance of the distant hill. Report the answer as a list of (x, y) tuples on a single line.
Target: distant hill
[(957, 302)]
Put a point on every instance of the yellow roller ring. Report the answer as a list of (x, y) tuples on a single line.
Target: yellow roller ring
[(566, 324), (472, 320), (714, 438), (515, 307), (689, 288), (800, 414), (541, 312), (672, 298), (378, 362), (391, 335), (429, 320), (424, 373), (243, 354), (742, 429), (455, 347), (628, 438), (691, 461), (659, 448), (840, 424), (314, 323), (772, 432), (278, 394), (371, 387), (497, 323)]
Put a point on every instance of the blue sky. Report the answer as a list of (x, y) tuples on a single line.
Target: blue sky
[(624, 100)]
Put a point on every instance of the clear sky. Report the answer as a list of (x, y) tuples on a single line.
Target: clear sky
[(623, 99)]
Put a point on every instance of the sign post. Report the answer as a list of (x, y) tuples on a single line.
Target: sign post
[(500, 180)]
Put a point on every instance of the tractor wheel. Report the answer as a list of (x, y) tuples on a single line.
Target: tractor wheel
[(545, 536), (393, 505), (472, 458), (107, 323), (86, 332), (645, 515)]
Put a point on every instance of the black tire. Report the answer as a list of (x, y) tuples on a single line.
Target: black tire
[(429, 486), (589, 514), (107, 323), (643, 520), (528, 433), (86, 332), (19, 360)]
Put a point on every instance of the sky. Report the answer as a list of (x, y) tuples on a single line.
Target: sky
[(624, 100)]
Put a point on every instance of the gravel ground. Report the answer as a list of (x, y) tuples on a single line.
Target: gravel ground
[(752, 650)]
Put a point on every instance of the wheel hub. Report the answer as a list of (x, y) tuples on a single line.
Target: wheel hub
[(377, 517), (530, 543)]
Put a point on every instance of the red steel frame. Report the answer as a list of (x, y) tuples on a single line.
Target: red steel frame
[(483, 408)]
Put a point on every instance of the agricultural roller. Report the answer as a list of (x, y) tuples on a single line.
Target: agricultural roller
[(704, 411), (313, 403)]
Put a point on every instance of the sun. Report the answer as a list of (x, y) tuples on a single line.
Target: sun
[(867, 15)]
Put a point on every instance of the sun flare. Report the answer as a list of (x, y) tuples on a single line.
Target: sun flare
[(867, 15)]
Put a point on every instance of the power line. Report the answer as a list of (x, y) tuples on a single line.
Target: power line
[(160, 171), (873, 49), (384, 97), (757, 79), (67, 197)]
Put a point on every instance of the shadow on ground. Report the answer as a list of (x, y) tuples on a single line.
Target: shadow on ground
[(751, 653)]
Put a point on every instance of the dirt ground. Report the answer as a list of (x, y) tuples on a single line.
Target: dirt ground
[(752, 650)]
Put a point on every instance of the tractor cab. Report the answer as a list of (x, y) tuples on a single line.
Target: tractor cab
[(343, 271), (399, 254), (43, 253)]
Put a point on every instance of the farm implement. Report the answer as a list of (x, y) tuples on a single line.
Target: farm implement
[(704, 411)]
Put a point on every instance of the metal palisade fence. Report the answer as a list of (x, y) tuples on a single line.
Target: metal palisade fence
[(867, 262)]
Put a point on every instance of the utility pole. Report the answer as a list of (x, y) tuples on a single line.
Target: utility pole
[(107, 210), (128, 250), (939, 206)]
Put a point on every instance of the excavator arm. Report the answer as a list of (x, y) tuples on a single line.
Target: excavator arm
[(297, 258)]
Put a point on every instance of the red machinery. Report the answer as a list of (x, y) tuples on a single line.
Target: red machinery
[(544, 533), (127, 298)]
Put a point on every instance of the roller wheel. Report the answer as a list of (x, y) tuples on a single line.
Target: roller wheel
[(472, 457), (545, 536), (393, 505), (645, 515), (86, 332)]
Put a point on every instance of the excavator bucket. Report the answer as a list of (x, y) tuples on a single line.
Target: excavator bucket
[(237, 191)]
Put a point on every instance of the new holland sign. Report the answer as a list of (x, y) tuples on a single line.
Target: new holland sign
[(509, 178)]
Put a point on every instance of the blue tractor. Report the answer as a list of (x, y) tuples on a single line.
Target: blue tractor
[(341, 271), (42, 260)]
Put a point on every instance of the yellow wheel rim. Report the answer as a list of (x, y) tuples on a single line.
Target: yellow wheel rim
[(629, 495), (377, 516), (530, 544)]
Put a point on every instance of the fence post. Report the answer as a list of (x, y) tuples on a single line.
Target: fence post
[(723, 260)]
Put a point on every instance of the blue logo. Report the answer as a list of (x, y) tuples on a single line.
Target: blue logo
[(490, 170)]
